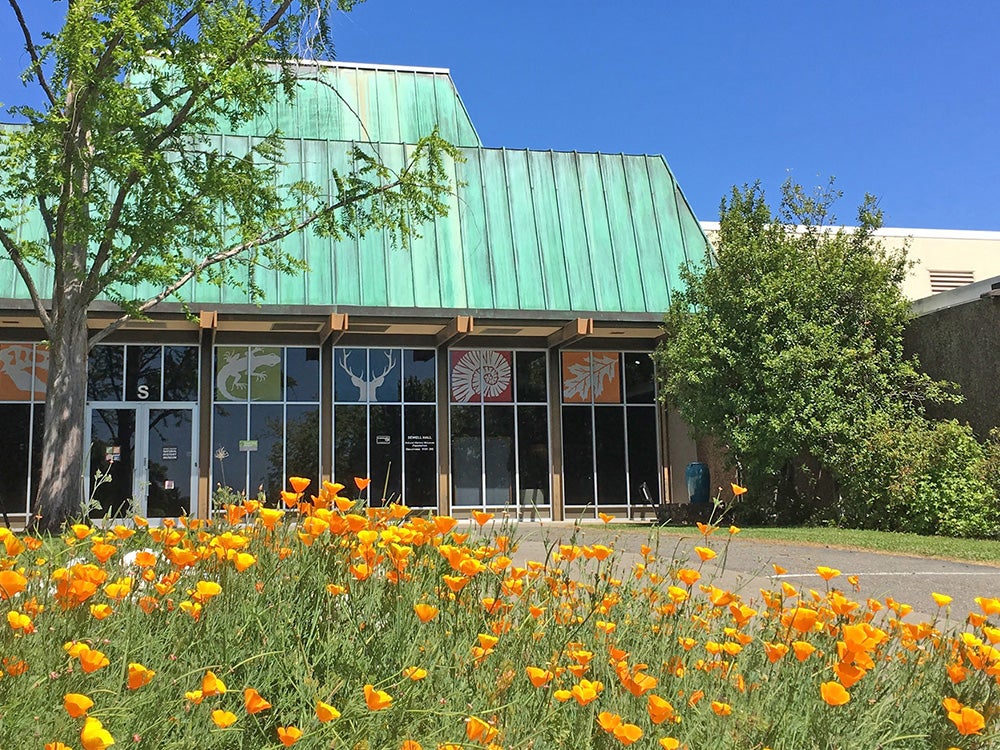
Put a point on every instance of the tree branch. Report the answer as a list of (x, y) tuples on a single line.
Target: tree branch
[(36, 63), (15, 255), (232, 252), (92, 285)]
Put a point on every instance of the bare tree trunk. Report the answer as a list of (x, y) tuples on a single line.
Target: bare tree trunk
[(60, 490)]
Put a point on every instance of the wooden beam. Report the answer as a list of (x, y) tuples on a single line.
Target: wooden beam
[(571, 333), (456, 330), (333, 329), (208, 320)]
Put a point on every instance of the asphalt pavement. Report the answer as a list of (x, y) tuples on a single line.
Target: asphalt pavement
[(745, 565)]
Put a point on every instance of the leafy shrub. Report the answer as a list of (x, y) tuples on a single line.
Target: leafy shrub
[(925, 477)]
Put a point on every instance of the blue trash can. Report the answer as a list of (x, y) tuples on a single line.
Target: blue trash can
[(699, 482)]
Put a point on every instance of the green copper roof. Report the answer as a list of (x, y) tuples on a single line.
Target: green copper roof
[(526, 230), (381, 104)]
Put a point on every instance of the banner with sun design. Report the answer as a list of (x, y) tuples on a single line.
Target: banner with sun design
[(481, 375), (591, 377)]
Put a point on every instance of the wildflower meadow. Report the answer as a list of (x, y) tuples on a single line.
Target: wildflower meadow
[(331, 624)]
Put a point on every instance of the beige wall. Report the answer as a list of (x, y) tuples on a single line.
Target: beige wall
[(948, 250)]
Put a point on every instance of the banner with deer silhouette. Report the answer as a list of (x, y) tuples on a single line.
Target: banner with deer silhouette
[(481, 375), (24, 372)]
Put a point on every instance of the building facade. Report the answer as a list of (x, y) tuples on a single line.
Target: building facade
[(500, 362)]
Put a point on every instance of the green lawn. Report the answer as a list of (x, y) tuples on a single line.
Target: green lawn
[(976, 550)]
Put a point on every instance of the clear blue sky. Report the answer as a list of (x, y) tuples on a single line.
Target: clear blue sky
[(897, 98)]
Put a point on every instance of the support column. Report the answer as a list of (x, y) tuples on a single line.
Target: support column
[(208, 323), (332, 331), (555, 434)]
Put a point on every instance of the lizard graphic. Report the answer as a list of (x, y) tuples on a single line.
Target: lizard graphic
[(234, 375)]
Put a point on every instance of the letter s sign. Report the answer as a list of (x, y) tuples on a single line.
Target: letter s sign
[(143, 391)]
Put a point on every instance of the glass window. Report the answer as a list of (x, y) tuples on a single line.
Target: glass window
[(643, 461), (578, 455), (533, 454), (386, 458), (265, 373), (467, 455), (350, 380), (499, 461), (609, 447), (279, 433), (479, 375), (302, 441), (229, 428), (302, 375), (591, 377), (419, 372), (486, 379), (607, 444), (105, 373), (350, 442), (23, 372), (420, 455), (143, 371), (639, 384), (531, 377), (267, 450), (370, 435), (15, 444), (180, 373)]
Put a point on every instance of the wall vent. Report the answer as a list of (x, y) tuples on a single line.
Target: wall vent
[(367, 327), (942, 281)]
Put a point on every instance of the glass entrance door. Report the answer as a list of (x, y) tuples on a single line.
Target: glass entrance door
[(143, 455)]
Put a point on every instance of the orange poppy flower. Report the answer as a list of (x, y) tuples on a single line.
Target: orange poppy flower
[(376, 700), (411, 745), (362, 483), (425, 612), (11, 583), (223, 719), (77, 705), (325, 712), (94, 736), (482, 518), (627, 733), (670, 743), (103, 551), (253, 701), (834, 693), (704, 553), (721, 709), (289, 735), (478, 730), (967, 721), (212, 685), (415, 673), (826, 573), (91, 660), (659, 709), (942, 600), (606, 517), (608, 721), (299, 484), (538, 677), (737, 489), (138, 676), (444, 524)]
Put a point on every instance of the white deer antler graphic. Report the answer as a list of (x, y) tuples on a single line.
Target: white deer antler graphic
[(367, 388)]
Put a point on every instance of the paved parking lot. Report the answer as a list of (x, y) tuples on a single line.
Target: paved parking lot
[(746, 565)]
